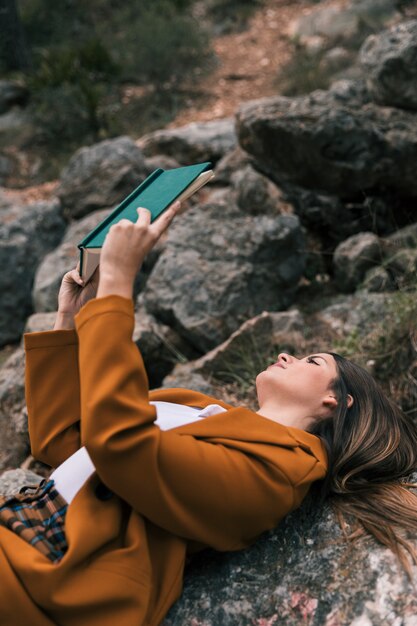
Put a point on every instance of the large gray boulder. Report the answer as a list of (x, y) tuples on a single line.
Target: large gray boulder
[(389, 60), (27, 234), (198, 141), (221, 267), (101, 176), (316, 142), (303, 572)]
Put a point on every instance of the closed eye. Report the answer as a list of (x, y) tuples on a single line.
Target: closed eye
[(310, 359)]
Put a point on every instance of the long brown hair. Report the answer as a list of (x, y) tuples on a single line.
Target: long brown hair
[(372, 450)]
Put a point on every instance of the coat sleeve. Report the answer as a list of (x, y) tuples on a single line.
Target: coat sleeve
[(52, 394), (210, 492)]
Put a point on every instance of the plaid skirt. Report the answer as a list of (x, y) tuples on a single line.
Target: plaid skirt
[(37, 515)]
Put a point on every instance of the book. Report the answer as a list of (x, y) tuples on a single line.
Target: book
[(156, 193)]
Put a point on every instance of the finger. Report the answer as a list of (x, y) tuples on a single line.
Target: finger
[(164, 220), (76, 276), (144, 216)]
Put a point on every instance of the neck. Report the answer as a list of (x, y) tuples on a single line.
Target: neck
[(287, 416)]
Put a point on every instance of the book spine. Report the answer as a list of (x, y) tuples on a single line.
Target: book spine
[(119, 209)]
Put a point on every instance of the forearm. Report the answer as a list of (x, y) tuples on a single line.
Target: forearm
[(112, 285), (64, 321)]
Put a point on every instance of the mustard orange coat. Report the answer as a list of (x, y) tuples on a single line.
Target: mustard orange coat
[(219, 482)]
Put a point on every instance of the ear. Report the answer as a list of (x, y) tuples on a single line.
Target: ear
[(349, 401)]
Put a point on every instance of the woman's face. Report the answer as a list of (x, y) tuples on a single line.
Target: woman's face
[(304, 382)]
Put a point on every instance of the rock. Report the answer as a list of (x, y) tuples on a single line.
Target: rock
[(27, 234), (352, 92), (357, 314), (378, 280), (14, 443), (389, 61), (258, 195), (12, 93), (186, 378), (334, 219), (221, 267), (160, 346), (348, 23), (195, 142), (336, 59), (353, 257), (12, 480), (343, 149), (402, 267), (403, 238), (160, 160), (303, 572), (101, 176), (233, 161)]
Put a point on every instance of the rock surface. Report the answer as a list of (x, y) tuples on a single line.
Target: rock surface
[(304, 572), (195, 142), (14, 440), (353, 257), (100, 176), (220, 267), (348, 23), (389, 60), (27, 234), (315, 142)]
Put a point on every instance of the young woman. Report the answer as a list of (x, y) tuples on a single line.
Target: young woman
[(143, 478)]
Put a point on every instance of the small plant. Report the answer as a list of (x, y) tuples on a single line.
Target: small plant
[(303, 73), (390, 349)]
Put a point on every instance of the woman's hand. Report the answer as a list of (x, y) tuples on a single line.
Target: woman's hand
[(73, 294), (126, 246)]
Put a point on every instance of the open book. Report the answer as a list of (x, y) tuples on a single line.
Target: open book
[(156, 193)]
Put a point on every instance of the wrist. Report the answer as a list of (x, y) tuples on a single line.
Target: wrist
[(109, 286), (64, 321)]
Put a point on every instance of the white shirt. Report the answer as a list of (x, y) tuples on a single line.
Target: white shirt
[(70, 476)]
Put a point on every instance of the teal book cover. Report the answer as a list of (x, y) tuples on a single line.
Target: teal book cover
[(157, 192)]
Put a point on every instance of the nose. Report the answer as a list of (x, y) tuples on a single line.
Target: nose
[(283, 356)]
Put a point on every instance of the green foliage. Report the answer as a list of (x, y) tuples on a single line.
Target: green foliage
[(84, 52), (161, 45), (67, 64), (390, 349)]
